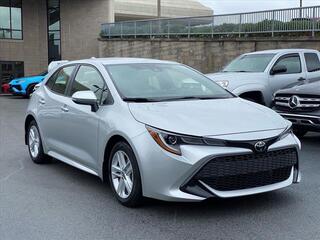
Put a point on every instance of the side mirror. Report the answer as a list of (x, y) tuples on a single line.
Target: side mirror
[(278, 69), (86, 98), (36, 87)]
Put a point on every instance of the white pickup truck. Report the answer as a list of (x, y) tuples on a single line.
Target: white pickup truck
[(257, 76)]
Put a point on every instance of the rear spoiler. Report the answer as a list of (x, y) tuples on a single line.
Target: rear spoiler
[(55, 64)]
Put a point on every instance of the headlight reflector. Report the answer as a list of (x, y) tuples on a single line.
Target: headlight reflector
[(287, 131), (167, 141), (171, 142)]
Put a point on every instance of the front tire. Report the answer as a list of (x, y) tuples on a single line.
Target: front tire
[(124, 175), (35, 146)]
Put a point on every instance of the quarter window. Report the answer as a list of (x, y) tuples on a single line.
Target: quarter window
[(89, 79), (59, 81), (291, 62), (313, 63)]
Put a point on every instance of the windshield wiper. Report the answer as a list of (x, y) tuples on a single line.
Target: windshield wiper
[(138, 99), (141, 100), (191, 98), (239, 71)]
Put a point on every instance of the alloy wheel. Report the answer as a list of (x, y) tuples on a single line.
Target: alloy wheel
[(34, 141), (122, 174)]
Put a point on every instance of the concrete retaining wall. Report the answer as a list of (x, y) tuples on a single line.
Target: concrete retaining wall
[(205, 55)]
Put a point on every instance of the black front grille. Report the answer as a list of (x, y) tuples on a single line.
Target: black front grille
[(247, 171)]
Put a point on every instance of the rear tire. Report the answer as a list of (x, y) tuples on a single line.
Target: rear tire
[(35, 146), (124, 175), (300, 133)]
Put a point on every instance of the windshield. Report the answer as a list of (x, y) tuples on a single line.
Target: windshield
[(250, 63), (162, 82)]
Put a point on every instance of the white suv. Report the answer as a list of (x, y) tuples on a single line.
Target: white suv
[(257, 76)]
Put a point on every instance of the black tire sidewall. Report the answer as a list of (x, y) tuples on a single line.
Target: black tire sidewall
[(135, 196)]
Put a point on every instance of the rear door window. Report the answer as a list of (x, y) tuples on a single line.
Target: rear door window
[(312, 61)]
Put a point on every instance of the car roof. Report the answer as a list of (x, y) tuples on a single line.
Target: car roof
[(113, 61), (278, 51)]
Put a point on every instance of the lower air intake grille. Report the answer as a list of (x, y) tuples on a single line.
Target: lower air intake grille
[(247, 171)]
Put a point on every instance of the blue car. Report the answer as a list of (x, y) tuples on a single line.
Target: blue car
[(24, 86)]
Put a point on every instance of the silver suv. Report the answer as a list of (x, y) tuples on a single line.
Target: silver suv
[(257, 76), (159, 129)]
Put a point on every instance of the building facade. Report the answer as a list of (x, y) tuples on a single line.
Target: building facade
[(36, 32), (144, 9)]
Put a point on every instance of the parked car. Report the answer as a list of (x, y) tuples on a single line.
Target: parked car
[(257, 76), (159, 129), (300, 105), (5, 88), (25, 86)]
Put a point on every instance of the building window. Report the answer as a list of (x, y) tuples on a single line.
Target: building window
[(54, 39), (10, 19)]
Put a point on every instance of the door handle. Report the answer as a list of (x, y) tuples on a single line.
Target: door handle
[(64, 109), (301, 79), (42, 101)]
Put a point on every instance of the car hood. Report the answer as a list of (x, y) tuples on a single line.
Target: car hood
[(237, 79), (208, 117), (310, 89)]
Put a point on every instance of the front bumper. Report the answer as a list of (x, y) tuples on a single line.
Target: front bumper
[(170, 177), (16, 90), (306, 121)]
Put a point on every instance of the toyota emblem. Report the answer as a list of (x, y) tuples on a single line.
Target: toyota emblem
[(260, 146)]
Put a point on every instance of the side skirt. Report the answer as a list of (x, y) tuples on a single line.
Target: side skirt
[(72, 163)]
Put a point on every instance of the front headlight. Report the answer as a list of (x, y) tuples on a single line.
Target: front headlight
[(223, 83), (287, 131), (171, 142)]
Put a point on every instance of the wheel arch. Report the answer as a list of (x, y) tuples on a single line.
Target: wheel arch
[(255, 95), (261, 91), (110, 144), (27, 122)]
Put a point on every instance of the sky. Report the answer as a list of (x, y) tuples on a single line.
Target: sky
[(236, 6)]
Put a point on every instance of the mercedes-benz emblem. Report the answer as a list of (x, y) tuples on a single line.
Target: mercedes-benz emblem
[(260, 146), (294, 102)]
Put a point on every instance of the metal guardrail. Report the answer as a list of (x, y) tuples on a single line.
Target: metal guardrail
[(306, 19)]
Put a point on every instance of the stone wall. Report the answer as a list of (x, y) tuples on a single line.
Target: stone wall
[(205, 55)]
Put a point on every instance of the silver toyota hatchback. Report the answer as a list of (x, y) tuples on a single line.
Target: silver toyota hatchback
[(159, 129)]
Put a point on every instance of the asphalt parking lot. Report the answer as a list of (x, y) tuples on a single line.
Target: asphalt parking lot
[(56, 201)]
